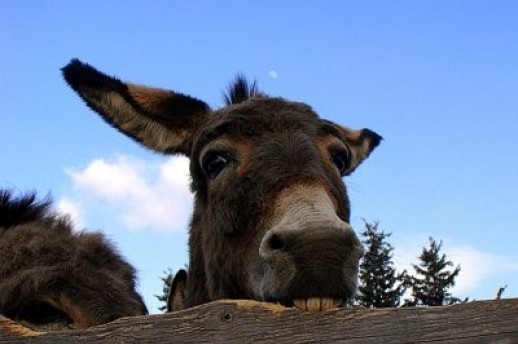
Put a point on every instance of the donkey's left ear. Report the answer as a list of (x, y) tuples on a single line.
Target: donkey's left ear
[(360, 143), (176, 296), (161, 120)]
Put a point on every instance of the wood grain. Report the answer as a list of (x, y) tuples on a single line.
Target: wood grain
[(242, 321)]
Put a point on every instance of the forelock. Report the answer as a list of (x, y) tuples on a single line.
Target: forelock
[(241, 90)]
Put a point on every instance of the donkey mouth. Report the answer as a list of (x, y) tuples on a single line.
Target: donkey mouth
[(317, 304), (314, 304)]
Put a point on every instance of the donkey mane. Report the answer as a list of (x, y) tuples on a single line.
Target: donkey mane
[(24, 209), (241, 90)]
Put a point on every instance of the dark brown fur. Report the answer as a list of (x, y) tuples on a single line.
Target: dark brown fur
[(271, 211), (52, 275)]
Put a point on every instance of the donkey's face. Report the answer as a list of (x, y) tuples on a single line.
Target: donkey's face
[(271, 211)]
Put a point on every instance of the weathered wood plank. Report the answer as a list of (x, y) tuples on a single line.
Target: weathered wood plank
[(232, 321)]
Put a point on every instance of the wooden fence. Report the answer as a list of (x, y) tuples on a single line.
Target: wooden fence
[(242, 321)]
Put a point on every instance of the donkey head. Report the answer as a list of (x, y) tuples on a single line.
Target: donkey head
[(271, 212)]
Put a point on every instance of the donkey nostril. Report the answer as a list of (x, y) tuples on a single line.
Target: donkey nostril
[(275, 242)]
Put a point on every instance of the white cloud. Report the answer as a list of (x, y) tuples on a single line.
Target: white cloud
[(140, 194), (479, 268), (273, 74), (73, 209)]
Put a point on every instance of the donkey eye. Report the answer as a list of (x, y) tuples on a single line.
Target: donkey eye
[(213, 164), (341, 160)]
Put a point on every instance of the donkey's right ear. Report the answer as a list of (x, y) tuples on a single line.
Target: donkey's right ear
[(161, 120)]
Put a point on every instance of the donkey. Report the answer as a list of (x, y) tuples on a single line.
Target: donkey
[(271, 212), (54, 278)]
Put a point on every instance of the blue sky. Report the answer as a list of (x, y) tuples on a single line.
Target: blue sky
[(438, 79)]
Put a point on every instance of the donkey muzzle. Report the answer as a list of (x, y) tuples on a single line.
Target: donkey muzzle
[(311, 255)]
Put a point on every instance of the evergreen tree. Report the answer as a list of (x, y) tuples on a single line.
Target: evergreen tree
[(432, 280), (380, 284), (166, 279)]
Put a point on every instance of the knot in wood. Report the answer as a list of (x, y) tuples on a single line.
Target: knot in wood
[(227, 316)]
